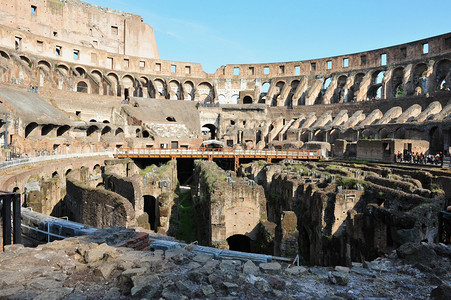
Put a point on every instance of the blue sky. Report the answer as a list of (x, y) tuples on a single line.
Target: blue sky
[(215, 32)]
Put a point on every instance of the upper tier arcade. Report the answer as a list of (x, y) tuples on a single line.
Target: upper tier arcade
[(75, 46)]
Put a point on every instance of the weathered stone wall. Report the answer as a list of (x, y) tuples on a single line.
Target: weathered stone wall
[(225, 205), (96, 207)]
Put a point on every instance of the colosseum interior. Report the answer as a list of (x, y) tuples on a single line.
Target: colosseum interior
[(98, 129)]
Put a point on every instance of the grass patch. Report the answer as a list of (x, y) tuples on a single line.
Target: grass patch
[(186, 228)]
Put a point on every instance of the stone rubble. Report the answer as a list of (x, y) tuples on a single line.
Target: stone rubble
[(79, 268)]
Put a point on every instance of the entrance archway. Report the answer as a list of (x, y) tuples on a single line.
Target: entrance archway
[(247, 100), (152, 209), (212, 130), (239, 242)]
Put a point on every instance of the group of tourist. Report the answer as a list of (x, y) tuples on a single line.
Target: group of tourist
[(419, 158), (33, 89)]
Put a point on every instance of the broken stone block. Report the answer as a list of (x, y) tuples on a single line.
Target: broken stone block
[(250, 268), (271, 268), (208, 290)]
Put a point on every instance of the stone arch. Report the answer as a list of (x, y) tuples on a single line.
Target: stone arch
[(46, 129), (97, 75), (82, 87), (146, 88), (212, 130), (277, 93), (80, 71), (339, 93), (113, 89), (334, 135), (119, 132), (62, 130), (5, 55), (174, 90), (247, 100), (222, 99), (397, 82), (91, 130), (358, 78), (385, 133), (400, 133), (264, 91), (188, 90), (26, 60), (128, 85), (294, 86), (443, 74), (160, 88), (45, 65), (105, 131), (205, 92), (63, 69), (30, 128), (239, 242), (419, 80)]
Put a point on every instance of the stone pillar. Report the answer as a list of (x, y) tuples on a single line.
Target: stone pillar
[(144, 91)]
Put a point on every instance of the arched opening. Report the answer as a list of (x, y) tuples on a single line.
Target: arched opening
[(355, 87), (46, 129), (264, 92), (174, 90), (29, 129), (378, 76), (62, 130), (436, 141), (205, 91), (443, 72), (106, 130), (247, 100), (146, 134), (97, 168), (399, 90), (188, 90), (26, 60), (16, 190), (92, 120), (4, 54), (209, 129), (45, 65), (152, 209), (119, 131), (326, 83), (55, 174), (91, 130), (171, 119), (82, 87), (138, 133), (160, 89), (100, 185), (276, 101), (239, 242), (106, 122), (339, 93), (68, 171), (80, 72)]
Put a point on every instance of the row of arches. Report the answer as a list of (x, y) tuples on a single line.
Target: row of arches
[(377, 84)]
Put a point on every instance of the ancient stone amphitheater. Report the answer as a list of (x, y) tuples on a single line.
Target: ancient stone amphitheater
[(316, 166)]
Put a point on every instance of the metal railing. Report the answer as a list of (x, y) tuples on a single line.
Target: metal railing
[(40, 158), (220, 152)]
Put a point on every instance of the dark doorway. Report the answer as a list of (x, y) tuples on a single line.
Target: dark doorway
[(152, 209), (126, 95), (239, 242), (247, 100)]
